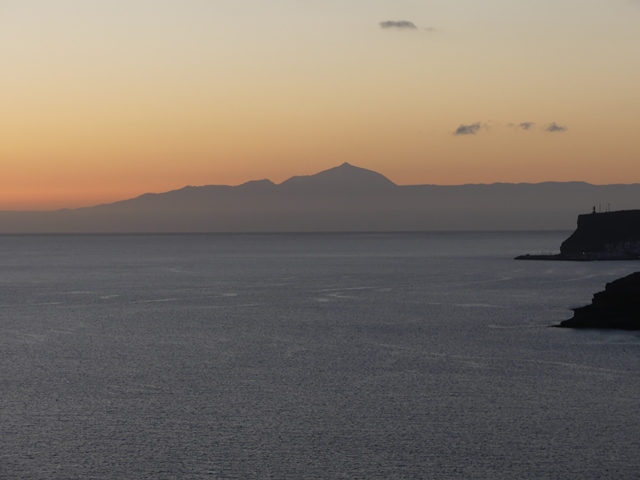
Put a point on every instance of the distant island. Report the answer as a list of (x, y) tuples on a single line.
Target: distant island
[(617, 307), (600, 236), (345, 198)]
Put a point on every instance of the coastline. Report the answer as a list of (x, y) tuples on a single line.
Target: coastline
[(581, 257)]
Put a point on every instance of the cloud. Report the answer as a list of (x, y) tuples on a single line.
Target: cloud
[(554, 127), (526, 125), (398, 24), (471, 129), (522, 125)]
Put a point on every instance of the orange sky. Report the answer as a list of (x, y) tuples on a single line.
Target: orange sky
[(106, 100)]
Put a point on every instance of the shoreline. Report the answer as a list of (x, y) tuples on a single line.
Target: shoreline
[(575, 257)]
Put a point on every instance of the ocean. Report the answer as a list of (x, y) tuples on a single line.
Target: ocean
[(309, 356)]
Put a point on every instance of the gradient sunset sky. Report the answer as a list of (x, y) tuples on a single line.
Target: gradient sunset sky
[(102, 100)]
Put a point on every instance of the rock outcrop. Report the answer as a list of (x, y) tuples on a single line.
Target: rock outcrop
[(617, 307)]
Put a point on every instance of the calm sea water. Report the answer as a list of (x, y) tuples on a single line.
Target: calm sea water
[(400, 356)]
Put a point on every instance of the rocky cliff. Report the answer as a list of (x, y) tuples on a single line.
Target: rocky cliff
[(613, 233), (618, 306)]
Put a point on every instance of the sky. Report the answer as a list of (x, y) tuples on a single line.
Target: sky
[(102, 100)]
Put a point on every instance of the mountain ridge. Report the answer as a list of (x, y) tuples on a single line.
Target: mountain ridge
[(343, 198)]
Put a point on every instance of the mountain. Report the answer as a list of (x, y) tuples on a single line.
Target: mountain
[(345, 179), (344, 198)]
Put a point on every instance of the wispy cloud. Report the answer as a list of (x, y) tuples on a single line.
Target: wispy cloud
[(526, 125), (474, 128), (471, 129), (554, 127), (398, 24)]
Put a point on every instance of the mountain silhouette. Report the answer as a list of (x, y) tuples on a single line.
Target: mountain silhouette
[(345, 178), (343, 198)]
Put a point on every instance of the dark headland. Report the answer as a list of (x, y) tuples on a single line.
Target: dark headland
[(617, 307), (600, 236)]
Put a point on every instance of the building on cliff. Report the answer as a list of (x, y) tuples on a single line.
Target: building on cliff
[(605, 235), (600, 236)]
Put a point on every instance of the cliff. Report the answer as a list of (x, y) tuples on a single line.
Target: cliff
[(618, 306), (612, 233), (600, 236)]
